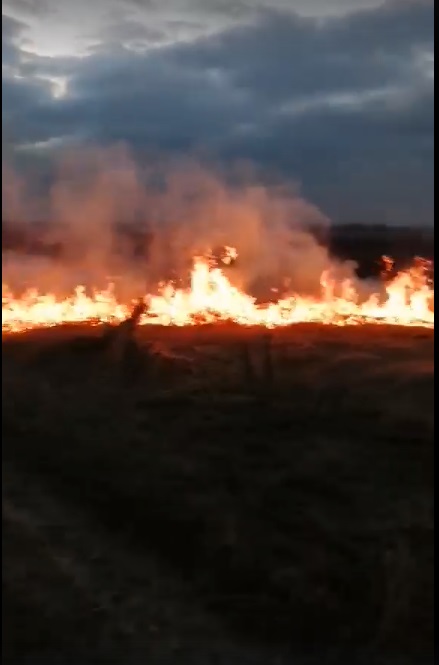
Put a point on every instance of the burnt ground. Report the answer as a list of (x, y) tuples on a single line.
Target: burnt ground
[(213, 503)]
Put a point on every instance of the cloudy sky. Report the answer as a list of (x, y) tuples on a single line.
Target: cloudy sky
[(336, 95)]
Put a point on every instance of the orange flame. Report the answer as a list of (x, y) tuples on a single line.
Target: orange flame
[(408, 301)]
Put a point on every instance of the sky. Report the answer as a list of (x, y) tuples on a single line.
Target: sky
[(335, 95)]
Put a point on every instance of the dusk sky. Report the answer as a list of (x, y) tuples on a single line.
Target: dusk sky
[(336, 95)]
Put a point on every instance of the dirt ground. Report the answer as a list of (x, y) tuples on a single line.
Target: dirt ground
[(214, 495)]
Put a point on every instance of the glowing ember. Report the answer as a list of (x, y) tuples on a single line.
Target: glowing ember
[(408, 300)]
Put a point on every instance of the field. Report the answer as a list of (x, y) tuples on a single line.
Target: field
[(220, 497)]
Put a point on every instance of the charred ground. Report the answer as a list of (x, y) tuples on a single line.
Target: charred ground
[(218, 497)]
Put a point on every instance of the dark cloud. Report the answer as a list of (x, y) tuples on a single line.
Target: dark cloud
[(12, 30), (29, 7), (345, 106)]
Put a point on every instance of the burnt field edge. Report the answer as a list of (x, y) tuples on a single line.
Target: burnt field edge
[(224, 331)]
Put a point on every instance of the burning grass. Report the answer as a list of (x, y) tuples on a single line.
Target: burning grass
[(407, 299), (287, 480)]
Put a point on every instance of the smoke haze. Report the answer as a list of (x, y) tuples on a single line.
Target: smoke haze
[(183, 209)]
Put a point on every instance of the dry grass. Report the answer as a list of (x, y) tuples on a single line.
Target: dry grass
[(284, 488)]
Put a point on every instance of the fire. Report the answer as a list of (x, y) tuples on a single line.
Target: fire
[(407, 300)]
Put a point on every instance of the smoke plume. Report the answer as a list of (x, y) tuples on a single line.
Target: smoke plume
[(182, 210)]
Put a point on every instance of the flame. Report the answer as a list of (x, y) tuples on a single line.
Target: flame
[(408, 300)]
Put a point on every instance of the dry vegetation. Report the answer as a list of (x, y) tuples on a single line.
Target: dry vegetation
[(218, 496)]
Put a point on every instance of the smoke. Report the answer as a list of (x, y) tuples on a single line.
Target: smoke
[(184, 209), (13, 195)]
